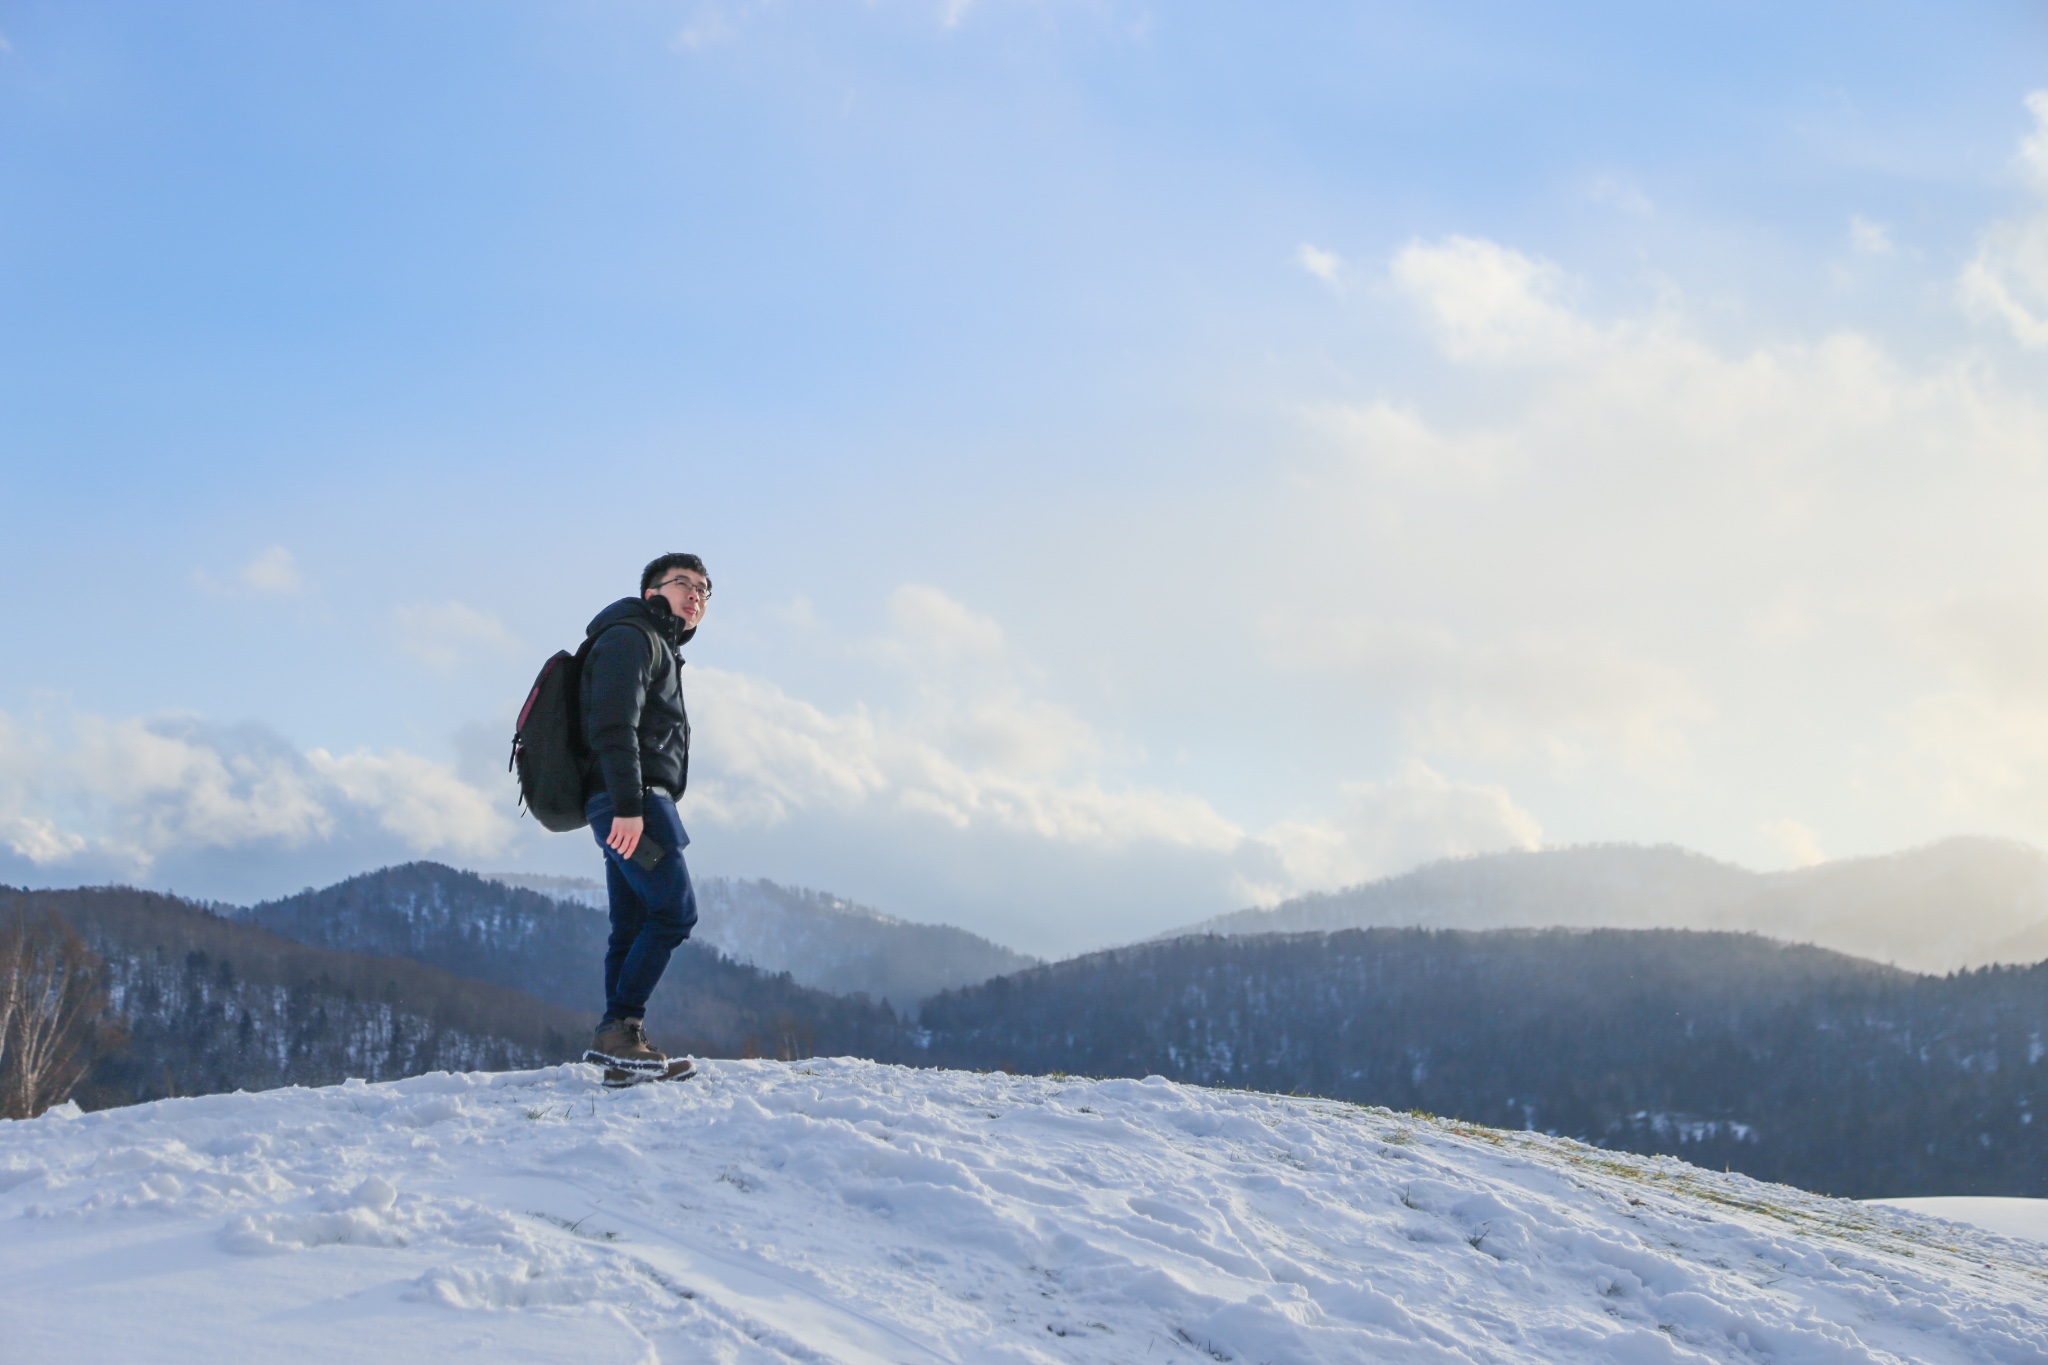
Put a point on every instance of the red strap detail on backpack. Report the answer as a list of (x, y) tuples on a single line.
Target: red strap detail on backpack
[(533, 696)]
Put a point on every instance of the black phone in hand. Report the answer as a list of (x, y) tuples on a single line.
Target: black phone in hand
[(647, 853)]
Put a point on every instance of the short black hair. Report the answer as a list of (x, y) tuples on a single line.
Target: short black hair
[(651, 575)]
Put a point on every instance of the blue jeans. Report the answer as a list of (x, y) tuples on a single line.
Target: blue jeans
[(653, 909)]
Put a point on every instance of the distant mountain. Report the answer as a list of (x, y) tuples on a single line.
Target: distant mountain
[(1952, 905), (1791, 1062), (576, 890), (821, 940), (210, 1004), (461, 922)]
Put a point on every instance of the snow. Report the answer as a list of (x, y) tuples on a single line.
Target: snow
[(848, 1211), (2026, 1218)]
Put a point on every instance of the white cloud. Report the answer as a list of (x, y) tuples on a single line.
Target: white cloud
[(442, 635), (1672, 500), (1396, 445), (1799, 844), (929, 630), (123, 793), (971, 697), (1869, 238), (766, 756), (1489, 303), (422, 802), (1988, 758), (2008, 278), (1985, 739), (39, 840), (1324, 265), (1389, 827), (1994, 642), (975, 756), (1559, 701)]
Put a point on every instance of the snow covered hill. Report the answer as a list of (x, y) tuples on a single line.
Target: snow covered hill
[(850, 1211)]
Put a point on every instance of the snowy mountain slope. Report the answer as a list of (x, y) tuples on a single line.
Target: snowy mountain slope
[(832, 944), (850, 1211), (823, 941), (1959, 903), (2023, 1218)]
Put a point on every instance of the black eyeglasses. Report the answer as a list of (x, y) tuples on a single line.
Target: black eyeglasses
[(690, 586)]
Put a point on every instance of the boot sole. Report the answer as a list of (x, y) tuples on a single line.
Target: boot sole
[(678, 1070), (644, 1066)]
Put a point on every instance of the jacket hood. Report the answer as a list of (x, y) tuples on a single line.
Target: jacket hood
[(653, 610)]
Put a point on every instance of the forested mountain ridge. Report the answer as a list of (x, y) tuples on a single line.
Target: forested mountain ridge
[(1785, 1062), (1965, 902), (1788, 1063), (554, 949), (210, 1004)]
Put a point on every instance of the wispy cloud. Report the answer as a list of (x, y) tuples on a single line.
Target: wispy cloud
[(1799, 844), (711, 24), (2008, 278), (442, 635), (1621, 194), (1382, 828), (272, 572), (1326, 266), (1870, 238)]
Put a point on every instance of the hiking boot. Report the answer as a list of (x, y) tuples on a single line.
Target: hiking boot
[(625, 1040)]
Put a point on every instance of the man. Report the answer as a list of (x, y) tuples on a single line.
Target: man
[(638, 736)]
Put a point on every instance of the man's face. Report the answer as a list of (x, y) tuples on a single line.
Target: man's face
[(687, 593)]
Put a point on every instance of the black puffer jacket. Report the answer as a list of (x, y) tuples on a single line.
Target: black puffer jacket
[(633, 717)]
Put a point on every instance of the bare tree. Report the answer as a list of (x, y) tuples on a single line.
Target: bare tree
[(51, 1004)]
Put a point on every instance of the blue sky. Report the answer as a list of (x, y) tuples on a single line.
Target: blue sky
[(1153, 458)]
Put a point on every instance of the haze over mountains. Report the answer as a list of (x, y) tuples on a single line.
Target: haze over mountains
[(1960, 903), (823, 941), (1965, 902)]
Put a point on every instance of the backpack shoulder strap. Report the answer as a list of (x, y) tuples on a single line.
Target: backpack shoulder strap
[(659, 646), (654, 642)]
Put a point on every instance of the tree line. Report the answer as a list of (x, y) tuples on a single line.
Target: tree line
[(1785, 1062)]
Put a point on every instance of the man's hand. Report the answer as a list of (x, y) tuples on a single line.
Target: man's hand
[(625, 835)]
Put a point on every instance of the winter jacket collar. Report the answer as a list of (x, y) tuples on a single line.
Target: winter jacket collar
[(653, 611)]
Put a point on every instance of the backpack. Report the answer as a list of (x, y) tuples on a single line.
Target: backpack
[(548, 751)]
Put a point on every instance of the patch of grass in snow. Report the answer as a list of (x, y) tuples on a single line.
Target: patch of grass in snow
[(575, 1229), (1807, 1213)]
